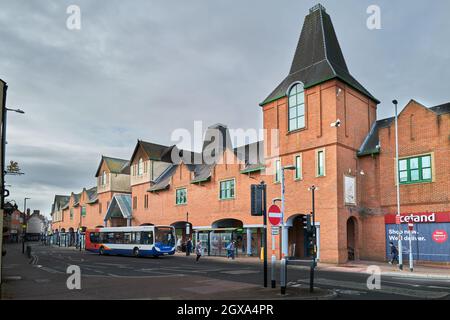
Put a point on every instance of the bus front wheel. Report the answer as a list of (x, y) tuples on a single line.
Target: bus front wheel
[(136, 252)]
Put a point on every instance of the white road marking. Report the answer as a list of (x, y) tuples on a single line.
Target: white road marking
[(384, 289)]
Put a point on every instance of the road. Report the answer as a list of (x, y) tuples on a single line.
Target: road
[(180, 277)]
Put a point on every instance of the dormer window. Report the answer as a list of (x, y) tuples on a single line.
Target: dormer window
[(296, 107), (140, 167)]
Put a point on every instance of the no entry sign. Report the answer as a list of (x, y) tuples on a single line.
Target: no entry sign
[(274, 215)]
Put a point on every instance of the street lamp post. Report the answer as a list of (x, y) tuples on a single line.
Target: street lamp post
[(4, 120), (24, 226), (188, 232), (284, 234), (400, 251)]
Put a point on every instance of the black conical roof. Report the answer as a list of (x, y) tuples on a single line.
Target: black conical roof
[(318, 57)]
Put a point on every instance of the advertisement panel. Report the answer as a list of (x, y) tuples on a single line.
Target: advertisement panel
[(429, 239)]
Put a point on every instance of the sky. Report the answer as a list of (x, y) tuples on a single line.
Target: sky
[(141, 69)]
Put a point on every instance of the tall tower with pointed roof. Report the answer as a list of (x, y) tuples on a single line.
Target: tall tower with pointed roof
[(304, 108)]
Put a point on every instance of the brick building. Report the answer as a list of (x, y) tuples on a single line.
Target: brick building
[(328, 129)]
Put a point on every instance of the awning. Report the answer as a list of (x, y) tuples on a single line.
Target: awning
[(120, 207)]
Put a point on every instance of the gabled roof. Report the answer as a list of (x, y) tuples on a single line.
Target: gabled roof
[(92, 195), (252, 155), (115, 165), (59, 202), (371, 144), (318, 57), (163, 181), (120, 206), (441, 109), (154, 151)]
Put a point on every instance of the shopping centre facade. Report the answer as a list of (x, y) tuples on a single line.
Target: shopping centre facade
[(326, 126)]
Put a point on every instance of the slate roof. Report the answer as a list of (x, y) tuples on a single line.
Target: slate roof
[(318, 57), (59, 202), (115, 165), (441, 109), (372, 140), (92, 195), (154, 151), (163, 181)]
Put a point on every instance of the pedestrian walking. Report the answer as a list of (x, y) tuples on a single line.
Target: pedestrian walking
[(198, 250), (230, 249), (394, 253), (188, 247), (179, 244)]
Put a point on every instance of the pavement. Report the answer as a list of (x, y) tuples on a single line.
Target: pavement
[(44, 276)]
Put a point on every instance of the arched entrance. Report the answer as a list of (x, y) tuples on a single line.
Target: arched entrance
[(297, 238), (223, 232), (351, 238), (182, 234)]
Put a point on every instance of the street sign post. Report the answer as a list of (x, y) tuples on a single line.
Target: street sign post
[(411, 264), (274, 215), (258, 200)]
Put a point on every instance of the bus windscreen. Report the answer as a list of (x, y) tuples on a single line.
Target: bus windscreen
[(164, 236)]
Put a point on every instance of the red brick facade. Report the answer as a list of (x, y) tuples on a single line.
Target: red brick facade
[(358, 226)]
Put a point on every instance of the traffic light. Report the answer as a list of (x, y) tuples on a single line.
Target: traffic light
[(257, 195), (306, 221)]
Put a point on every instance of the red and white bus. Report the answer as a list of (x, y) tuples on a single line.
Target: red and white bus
[(132, 241)]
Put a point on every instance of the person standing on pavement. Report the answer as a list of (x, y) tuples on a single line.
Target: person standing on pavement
[(198, 250), (188, 247), (394, 253)]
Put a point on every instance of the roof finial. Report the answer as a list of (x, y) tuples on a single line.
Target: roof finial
[(317, 7)]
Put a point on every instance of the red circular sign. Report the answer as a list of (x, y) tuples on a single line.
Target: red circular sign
[(440, 236), (411, 226), (274, 215)]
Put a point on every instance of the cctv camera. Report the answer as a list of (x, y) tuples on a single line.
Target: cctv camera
[(336, 124)]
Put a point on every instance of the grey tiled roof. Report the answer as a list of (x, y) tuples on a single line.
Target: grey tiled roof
[(92, 194), (115, 165), (163, 181), (441, 109), (372, 140), (318, 57), (154, 151), (59, 202)]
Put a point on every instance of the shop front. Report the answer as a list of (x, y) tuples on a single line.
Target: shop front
[(429, 237), (216, 240)]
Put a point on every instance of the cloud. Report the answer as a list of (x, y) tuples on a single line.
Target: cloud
[(141, 69)]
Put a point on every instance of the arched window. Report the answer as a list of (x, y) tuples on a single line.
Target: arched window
[(104, 178), (296, 107), (140, 167)]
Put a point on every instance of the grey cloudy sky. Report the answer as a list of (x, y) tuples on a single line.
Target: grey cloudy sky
[(139, 69)]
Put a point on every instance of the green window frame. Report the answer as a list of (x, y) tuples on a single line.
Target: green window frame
[(227, 189), (277, 171), (83, 211), (298, 167), (296, 108), (415, 169), (71, 213), (181, 196), (320, 163)]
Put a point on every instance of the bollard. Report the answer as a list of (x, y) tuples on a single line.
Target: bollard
[(29, 251)]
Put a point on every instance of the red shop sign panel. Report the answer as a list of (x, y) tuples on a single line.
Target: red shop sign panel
[(422, 217)]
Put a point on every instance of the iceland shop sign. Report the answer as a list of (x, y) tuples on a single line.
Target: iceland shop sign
[(429, 238)]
